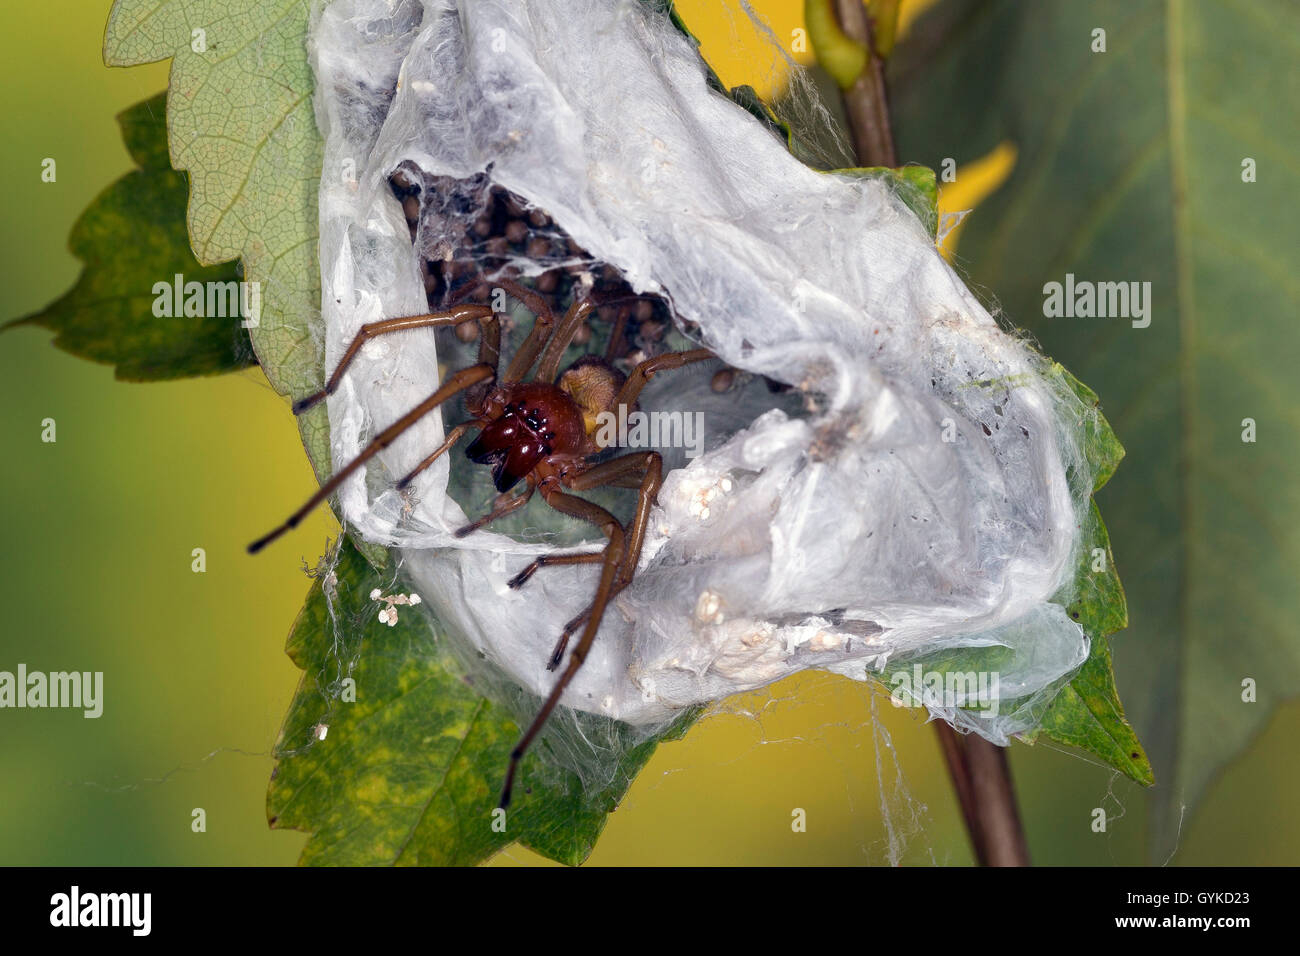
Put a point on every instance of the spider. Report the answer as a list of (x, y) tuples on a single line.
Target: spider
[(537, 430)]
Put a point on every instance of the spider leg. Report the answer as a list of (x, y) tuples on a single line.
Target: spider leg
[(543, 322), (557, 653), (586, 511), (621, 554), (649, 465), (552, 560), (453, 436), (503, 506), (641, 470), (489, 353), (462, 313), (561, 339), (616, 335), (644, 371), (456, 383)]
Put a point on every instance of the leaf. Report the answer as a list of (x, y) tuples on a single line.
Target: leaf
[(240, 121), (1087, 713), (410, 771), (1101, 446), (915, 185), (839, 55), (239, 117), (131, 237), (1130, 169), (747, 98), (884, 25)]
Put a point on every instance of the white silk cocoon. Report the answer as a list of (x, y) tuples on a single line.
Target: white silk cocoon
[(930, 502)]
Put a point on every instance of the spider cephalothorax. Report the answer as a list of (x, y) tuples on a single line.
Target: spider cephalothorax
[(537, 422), (535, 426), (539, 431)]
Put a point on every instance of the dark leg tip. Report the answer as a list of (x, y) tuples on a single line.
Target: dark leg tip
[(519, 579), (303, 404), (266, 539), (557, 655), (507, 789)]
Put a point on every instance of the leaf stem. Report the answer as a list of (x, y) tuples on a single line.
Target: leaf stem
[(867, 102), (979, 770)]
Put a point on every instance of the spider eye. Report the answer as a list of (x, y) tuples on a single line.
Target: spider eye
[(549, 436)]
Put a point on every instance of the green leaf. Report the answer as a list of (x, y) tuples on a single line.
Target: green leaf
[(1087, 712), (884, 25), (131, 237), (1101, 445), (410, 770), (915, 185), (1130, 168), (240, 122), (839, 55), (747, 98), (239, 118)]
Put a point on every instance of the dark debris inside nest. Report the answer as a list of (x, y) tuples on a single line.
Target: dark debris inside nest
[(474, 232)]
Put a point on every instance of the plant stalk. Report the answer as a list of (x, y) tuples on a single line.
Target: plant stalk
[(981, 776), (867, 101)]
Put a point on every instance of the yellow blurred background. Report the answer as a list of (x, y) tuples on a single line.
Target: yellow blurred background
[(96, 572)]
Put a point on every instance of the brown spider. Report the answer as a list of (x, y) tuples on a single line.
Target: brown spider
[(538, 431)]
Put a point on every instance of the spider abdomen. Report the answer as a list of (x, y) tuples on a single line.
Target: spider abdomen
[(537, 422)]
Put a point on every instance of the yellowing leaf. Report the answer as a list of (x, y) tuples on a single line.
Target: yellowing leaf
[(239, 116)]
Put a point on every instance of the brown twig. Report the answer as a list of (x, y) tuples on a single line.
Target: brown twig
[(993, 797), (980, 774), (867, 101), (954, 756)]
